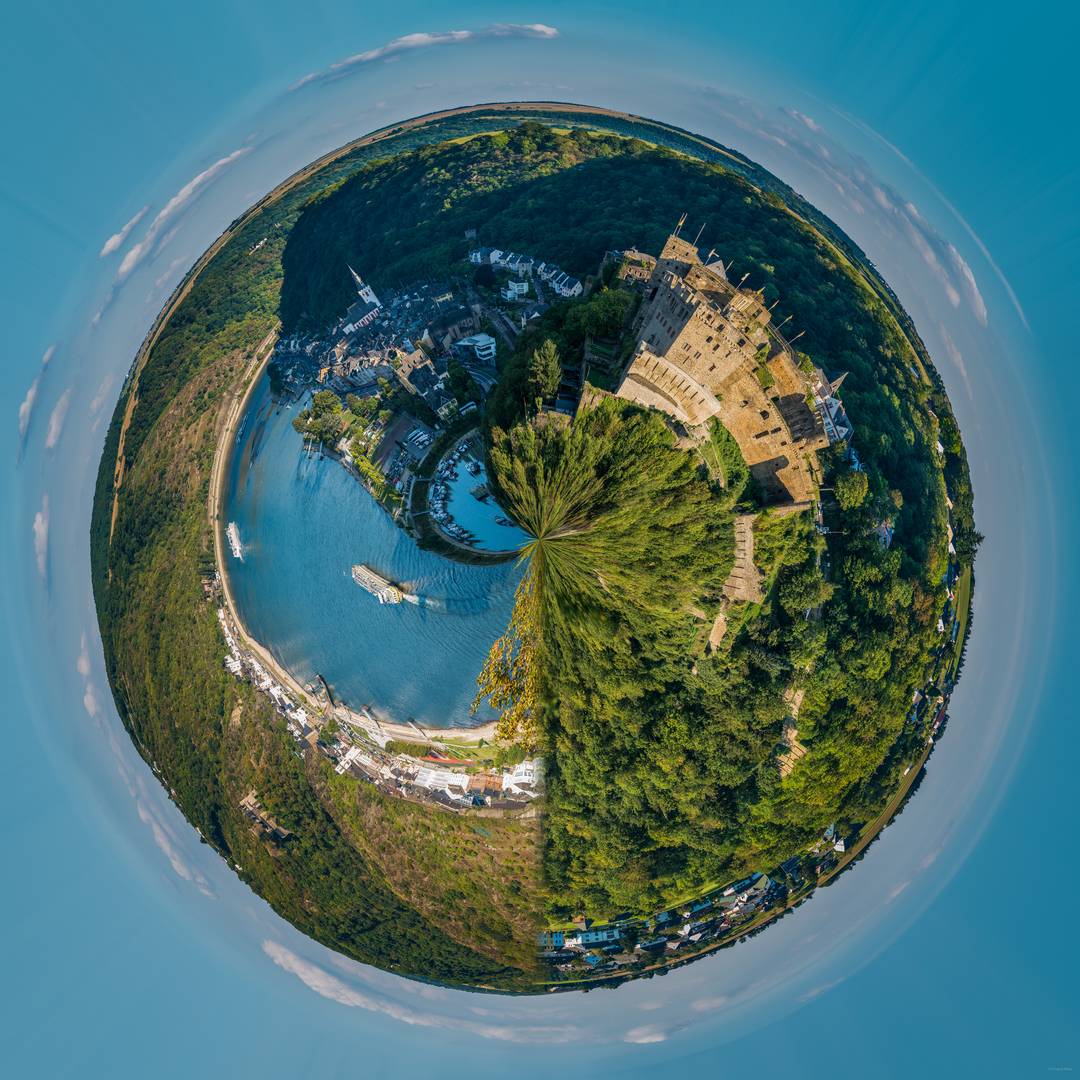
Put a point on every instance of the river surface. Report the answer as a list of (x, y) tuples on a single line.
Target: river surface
[(304, 521), (480, 517)]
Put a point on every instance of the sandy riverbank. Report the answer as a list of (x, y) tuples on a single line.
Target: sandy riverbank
[(234, 411)]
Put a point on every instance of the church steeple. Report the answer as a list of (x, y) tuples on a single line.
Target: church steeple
[(366, 292)]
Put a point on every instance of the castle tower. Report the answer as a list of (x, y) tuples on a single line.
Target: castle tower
[(705, 350), (367, 294)]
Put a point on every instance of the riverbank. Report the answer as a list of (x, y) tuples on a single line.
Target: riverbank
[(378, 728)]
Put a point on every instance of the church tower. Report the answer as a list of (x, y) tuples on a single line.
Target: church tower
[(367, 294)]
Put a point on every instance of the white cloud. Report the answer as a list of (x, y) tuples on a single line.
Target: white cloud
[(109, 296), (853, 179), (56, 420), (139, 251), (26, 406), (426, 41), (967, 281), (896, 891), (817, 991), (920, 240), (809, 121), (955, 355), (82, 664), (930, 859), (976, 239), (882, 199), (650, 1033), (168, 237), (117, 239), (99, 397), (165, 843), (41, 537), (167, 273), (710, 1004), (331, 987), (90, 700)]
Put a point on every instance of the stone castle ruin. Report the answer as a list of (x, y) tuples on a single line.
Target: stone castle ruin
[(707, 348)]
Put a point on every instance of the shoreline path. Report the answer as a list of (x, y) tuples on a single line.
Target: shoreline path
[(236, 408)]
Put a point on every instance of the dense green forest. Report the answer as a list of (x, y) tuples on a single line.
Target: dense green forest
[(661, 771), (662, 776)]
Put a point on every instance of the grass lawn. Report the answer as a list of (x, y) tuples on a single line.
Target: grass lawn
[(963, 611)]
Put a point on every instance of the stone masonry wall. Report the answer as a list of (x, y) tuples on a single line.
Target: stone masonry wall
[(705, 350)]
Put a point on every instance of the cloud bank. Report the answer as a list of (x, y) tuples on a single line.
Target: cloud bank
[(409, 42), (331, 987), (82, 663), (164, 840), (861, 191), (26, 406), (975, 238), (99, 395), (56, 420), (164, 837), (139, 251), (115, 242)]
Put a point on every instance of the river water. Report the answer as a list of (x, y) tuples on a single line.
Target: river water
[(304, 521)]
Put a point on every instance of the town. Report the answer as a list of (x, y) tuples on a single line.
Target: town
[(412, 370), (702, 348), (412, 764)]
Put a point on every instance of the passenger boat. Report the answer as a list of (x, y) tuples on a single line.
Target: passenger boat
[(386, 592), (232, 534)]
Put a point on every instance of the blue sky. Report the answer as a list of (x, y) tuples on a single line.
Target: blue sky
[(936, 134)]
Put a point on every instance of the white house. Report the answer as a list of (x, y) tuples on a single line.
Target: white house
[(515, 290), (444, 779), (482, 345), (565, 285)]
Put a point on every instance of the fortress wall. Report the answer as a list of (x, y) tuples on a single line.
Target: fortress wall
[(698, 358), (694, 403), (642, 392)]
